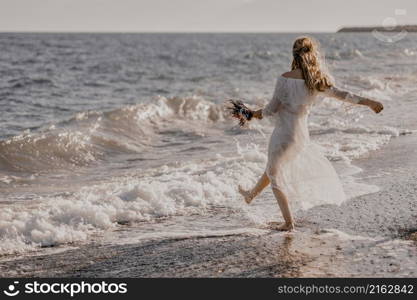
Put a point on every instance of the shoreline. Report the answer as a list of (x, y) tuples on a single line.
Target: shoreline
[(362, 237)]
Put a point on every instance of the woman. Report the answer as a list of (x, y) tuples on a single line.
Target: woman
[(296, 168)]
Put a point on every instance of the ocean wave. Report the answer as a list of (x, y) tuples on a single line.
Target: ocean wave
[(93, 135), (194, 187), (353, 141), (259, 54), (23, 82), (409, 52), (344, 54), (169, 191), (381, 88)]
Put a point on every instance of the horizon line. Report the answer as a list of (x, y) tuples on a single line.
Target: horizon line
[(161, 32), (197, 31)]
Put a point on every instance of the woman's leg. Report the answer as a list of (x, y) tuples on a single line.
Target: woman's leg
[(260, 185), (285, 210)]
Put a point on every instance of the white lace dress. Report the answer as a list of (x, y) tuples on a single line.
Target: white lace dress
[(295, 164)]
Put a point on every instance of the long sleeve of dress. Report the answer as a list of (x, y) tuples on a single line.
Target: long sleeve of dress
[(343, 95), (275, 103)]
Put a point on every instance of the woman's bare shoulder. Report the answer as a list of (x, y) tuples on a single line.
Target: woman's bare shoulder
[(297, 74)]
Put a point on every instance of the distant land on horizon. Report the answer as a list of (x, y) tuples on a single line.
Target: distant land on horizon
[(409, 28)]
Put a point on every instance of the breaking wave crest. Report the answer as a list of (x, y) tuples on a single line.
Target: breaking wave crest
[(92, 135)]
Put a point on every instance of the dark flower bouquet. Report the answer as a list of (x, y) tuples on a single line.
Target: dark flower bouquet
[(240, 111)]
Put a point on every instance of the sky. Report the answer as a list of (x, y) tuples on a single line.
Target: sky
[(201, 15)]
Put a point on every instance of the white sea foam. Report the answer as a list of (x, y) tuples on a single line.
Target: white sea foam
[(351, 180), (187, 190), (343, 236), (190, 189)]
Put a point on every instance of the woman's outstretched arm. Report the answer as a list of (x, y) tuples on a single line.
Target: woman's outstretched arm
[(347, 96), (274, 104)]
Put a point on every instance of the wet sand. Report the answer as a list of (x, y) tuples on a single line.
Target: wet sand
[(371, 235)]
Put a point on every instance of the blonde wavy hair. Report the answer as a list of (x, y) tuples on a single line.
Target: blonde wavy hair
[(306, 57)]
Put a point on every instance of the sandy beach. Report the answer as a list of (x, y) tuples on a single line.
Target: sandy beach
[(369, 236)]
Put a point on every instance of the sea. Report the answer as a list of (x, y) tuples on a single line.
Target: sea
[(125, 137)]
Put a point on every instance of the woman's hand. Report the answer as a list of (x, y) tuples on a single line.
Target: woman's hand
[(376, 106), (258, 114)]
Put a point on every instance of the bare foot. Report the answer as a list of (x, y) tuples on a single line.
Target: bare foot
[(246, 195), (281, 226)]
